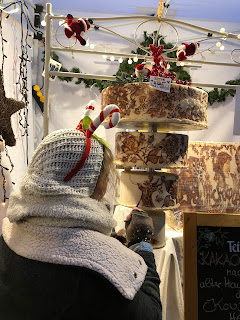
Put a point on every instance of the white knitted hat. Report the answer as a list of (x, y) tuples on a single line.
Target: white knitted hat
[(55, 157)]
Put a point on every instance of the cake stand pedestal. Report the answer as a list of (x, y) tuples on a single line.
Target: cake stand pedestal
[(158, 218)]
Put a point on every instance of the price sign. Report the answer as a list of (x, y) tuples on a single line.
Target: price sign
[(159, 83), (54, 66)]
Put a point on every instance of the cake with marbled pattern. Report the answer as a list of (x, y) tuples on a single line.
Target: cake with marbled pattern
[(212, 180), (150, 190), (151, 150), (183, 108)]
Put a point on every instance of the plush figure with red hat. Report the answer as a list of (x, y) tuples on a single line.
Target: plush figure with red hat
[(77, 28), (185, 50), (141, 70)]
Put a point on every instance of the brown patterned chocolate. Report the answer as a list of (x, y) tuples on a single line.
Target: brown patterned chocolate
[(212, 181), (152, 190), (184, 108), (151, 150)]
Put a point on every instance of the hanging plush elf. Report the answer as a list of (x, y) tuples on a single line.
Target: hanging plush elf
[(77, 28), (185, 50)]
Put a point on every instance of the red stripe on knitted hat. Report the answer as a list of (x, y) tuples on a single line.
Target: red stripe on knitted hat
[(81, 161)]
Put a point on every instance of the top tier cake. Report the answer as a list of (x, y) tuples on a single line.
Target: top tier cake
[(184, 108)]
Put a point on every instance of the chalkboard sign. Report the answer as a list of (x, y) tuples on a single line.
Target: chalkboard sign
[(212, 266)]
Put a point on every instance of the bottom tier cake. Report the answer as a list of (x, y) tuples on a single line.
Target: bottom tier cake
[(148, 190)]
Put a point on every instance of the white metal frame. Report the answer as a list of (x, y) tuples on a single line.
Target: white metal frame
[(48, 48)]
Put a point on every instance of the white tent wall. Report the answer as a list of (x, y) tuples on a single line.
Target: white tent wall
[(18, 153), (24, 145), (67, 100)]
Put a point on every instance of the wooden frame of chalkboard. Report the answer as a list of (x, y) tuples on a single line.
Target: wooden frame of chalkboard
[(211, 266)]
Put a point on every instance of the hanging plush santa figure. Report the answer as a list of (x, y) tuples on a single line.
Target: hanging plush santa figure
[(141, 70), (187, 50), (77, 28)]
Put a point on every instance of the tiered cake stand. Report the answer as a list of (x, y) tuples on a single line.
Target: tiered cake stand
[(145, 153)]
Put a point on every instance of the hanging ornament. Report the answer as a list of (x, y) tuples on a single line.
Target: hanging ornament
[(141, 70), (77, 28), (8, 107), (159, 64), (185, 50)]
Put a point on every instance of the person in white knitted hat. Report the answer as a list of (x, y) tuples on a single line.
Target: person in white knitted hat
[(57, 260)]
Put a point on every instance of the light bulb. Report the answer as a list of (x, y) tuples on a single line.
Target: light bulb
[(36, 87), (238, 36), (92, 46), (222, 30), (43, 23), (218, 44), (182, 64), (104, 56), (168, 66), (135, 59), (112, 58), (120, 60), (130, 61), (222, 48), (3, 203)]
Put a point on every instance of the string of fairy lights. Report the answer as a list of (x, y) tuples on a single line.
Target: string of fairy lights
[(3, 169), (21, 84), (23, 79)]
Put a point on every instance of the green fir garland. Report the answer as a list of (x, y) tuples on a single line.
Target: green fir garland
[(221, 95)]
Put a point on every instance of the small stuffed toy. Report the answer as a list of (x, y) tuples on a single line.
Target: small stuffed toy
[(77, 28), (185, 50), (141, 70)]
